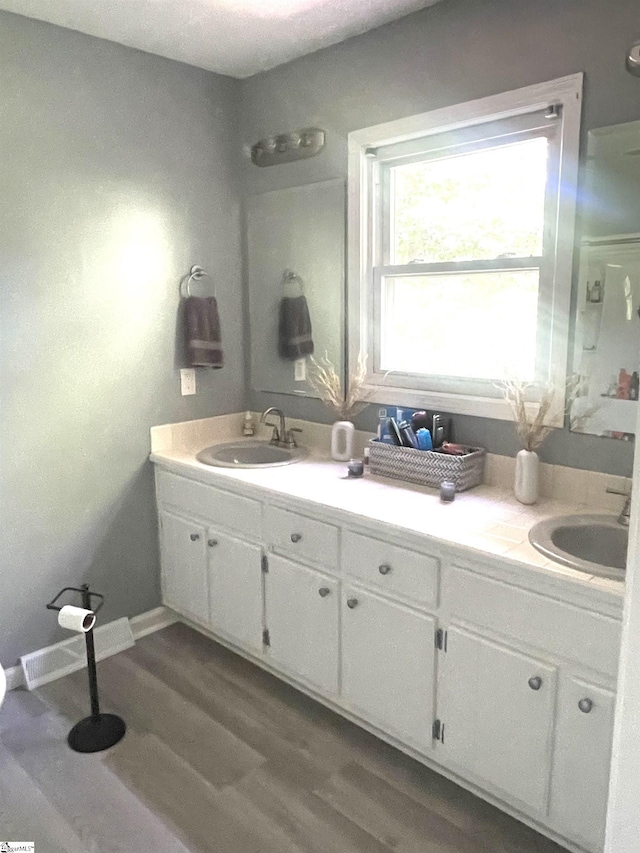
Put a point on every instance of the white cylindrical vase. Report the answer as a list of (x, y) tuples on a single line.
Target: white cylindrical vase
[(342, 440), (526, 482)]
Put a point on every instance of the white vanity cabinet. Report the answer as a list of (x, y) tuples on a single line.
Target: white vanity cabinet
[(302, 602), (388, 657), (183, 555), (581, 759), (235, 589), (302, 611), (211, 570), (498, 675), (496, 714)]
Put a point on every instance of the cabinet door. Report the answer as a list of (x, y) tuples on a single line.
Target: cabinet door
[(235, 589), (582, 756), (302, 615), (388, 665), (496, 708), (184, 566)]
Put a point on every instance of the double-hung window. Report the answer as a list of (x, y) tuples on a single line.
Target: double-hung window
[(461, 242)]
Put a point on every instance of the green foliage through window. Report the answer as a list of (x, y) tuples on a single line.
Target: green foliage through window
[(485, 204)]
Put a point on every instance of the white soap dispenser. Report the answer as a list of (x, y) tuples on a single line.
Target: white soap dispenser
[(247, 426)]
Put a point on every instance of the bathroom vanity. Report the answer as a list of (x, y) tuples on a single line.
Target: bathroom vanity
[(497, 670)]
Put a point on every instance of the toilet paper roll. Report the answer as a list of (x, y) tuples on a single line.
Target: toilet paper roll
[(76, 618)]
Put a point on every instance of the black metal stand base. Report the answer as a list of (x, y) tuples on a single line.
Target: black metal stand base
[(93, 734)]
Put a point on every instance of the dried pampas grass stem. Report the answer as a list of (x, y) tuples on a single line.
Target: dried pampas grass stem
[(326, 382), (532, 432), (577, 389)]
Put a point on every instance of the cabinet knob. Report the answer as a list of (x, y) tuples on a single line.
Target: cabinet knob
[(352, 603), (384, 569), (212, 543), (585, 705), (535, 682), (296, 537), (194, 537), (324, 591)]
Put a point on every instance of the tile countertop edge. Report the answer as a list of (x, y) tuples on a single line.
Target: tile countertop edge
[(478, 544)]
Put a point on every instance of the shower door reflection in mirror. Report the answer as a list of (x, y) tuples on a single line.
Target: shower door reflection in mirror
[(605, 383)]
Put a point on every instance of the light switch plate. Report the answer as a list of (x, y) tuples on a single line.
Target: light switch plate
[(187, 381), (300, 370)]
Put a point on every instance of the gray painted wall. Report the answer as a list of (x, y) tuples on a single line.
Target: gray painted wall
[(452, 52), (118, 170)]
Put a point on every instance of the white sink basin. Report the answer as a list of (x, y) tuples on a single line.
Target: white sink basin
[(596, 544), (250, 454)]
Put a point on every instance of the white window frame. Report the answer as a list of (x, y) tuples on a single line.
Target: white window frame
[(400, 389)]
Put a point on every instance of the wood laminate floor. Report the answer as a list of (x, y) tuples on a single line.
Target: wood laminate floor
[(221, 757)]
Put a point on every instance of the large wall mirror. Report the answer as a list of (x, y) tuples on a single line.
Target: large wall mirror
[(296, 259), (606, 360)]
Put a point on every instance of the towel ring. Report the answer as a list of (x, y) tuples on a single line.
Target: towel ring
[(290, 277), (196, 273)]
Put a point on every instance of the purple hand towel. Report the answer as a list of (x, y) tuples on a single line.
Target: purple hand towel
[(202, 331), (295, 337)]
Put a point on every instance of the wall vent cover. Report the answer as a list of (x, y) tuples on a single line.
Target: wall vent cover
[(53, 662)]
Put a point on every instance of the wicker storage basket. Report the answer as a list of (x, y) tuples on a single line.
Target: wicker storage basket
[(427, 467)]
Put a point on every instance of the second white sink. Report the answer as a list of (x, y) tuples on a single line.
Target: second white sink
[(595, 544)]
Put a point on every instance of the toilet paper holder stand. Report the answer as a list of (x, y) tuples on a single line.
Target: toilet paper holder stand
[(86, 594), (98, 731)]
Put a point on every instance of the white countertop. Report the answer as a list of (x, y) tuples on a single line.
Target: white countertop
[(485, 519)]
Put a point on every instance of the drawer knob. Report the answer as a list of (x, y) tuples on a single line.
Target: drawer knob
[(212, 543), (585, 705), (296, 537), (194, 537), (535, 682), (384, 569), (324, 591), (352, 603)]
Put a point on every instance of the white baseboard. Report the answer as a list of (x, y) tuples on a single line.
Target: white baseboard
[(141, 626), (15, 678), (152, 620)]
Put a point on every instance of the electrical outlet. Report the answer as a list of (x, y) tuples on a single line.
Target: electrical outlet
[(300, 370), (187, 381)]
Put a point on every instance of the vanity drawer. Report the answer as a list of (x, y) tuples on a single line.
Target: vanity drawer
[(532, 619), (224, 509), (398, 570), (300, 536)]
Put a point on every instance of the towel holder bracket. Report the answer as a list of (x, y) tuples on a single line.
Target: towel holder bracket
[(196, 273), (290, 281)]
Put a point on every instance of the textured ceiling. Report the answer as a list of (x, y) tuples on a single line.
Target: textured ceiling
[(235, 37)]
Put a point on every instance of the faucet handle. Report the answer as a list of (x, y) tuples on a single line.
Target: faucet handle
[(625, 515), (611, 491), (289, 437)]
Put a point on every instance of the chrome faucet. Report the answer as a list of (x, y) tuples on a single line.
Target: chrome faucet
[(624, 516), (281, 437)]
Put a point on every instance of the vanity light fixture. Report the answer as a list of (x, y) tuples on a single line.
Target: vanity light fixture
[(633, 60), (286, 147)]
